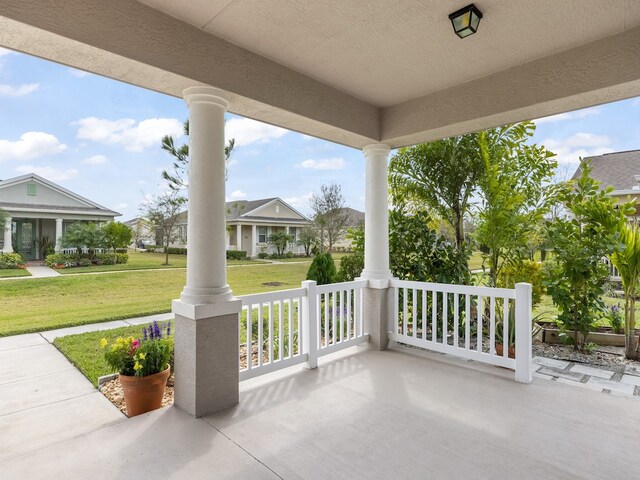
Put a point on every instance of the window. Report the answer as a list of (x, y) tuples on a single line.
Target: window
[(31, 189), (182, 233), (293, 231), (262, 234)]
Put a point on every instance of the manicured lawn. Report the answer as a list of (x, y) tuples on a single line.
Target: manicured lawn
[(49, 303), (14, 272), (84, 350), (475, 261), (144, 261)]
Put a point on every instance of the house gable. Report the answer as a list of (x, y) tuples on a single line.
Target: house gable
[(275, 209), (33, 191)]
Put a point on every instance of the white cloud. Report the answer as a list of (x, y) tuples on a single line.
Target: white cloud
[(578, 114), (31, 145), (50, 173), (246, 131), (5, 51), (94, 160), (323, 164), (17, 91), (301, 202), (78, 73), (570, 149), (237, 195), (126, 133)]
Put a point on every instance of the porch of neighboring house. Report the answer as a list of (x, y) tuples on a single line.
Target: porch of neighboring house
[(254, 239)]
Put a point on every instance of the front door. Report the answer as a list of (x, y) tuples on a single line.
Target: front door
[(26, 238)]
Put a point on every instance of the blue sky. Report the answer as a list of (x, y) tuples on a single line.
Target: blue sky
[(100, 138)]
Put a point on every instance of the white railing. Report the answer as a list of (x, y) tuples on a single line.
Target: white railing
[(290, 327), (84, 250), (465, 321), (613, 271)]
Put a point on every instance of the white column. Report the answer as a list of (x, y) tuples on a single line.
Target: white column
[(254, 240), (206, 231), (238, 237), (58, 234), (376, 223), (8, 246)]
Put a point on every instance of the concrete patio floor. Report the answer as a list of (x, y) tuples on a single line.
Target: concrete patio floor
[(362, 414)]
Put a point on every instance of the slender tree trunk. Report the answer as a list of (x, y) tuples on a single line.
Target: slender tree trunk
[(459, 230), (630, 340), (166, 254)]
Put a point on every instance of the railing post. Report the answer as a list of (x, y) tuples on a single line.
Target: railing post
[(523, 333), (310, 323)]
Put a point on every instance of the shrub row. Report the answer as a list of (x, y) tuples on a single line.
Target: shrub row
[(72, 260), (11, 260), (236, 255)]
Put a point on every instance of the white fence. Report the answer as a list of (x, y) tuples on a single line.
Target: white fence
[(465, 321), (289, 327), (84, 250)]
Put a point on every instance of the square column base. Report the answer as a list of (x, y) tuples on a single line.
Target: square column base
[(377, 309), (207, 362)]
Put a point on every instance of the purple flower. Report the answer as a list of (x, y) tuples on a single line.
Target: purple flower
[(169, 328), (156, 330), (144, 334)]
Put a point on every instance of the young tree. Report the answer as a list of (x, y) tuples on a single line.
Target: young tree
[(516, 192), (178, 177), (162, 212), (576, 278), (83, 234), (117, 235), (441, 176), (139, 231), (308, 238), (330, 216), (280, 240)]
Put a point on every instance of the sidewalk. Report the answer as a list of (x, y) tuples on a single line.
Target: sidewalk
[(41, 272)]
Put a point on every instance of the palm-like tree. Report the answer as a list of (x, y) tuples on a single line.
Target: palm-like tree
[(627, 261)]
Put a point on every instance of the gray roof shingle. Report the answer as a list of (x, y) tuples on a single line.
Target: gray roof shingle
[(615, 169)]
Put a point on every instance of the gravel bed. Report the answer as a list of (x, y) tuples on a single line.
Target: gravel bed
[(603, 356)]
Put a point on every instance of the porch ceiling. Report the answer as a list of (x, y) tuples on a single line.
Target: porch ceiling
[(353, 72)]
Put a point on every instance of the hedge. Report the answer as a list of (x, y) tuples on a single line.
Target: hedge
[(11, 260), (72, 260)]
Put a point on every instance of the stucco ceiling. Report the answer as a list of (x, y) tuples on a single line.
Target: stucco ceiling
[(350, 71), (385, 52)]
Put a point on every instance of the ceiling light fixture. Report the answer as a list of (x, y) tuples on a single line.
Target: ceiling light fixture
[(466, 20)]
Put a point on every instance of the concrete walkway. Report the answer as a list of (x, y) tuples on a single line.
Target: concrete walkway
[(44, 400), (41, 272)]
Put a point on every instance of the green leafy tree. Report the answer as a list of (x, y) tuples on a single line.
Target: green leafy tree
[(162, 212), (307, 239), (87, 235), (441, 176), (627, 261), (351, 265), (178, 177), (577, 275), (516, 192), (322, 269), (280, 239), (117, 235), (330, 217)]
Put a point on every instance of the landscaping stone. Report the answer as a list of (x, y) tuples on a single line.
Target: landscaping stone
[(632, 370), (592, 371), (612, 386), (630, 380), (560, 373), (550, 362)]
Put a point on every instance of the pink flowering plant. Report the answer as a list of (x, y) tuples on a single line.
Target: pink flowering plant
[(141, 357)]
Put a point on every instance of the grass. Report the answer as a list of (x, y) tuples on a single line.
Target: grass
[(14, 272), (475, 261), (83, 350), (49, 303), (144, 261)]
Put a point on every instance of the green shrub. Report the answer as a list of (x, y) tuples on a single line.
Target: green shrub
[(526, 271), (61, 260), (263, 255), (322, 269), (351, 267), (177, 251), (236, 255), (10, 260)]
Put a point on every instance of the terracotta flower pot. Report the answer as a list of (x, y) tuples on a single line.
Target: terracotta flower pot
[(500, 350), (143, 394)]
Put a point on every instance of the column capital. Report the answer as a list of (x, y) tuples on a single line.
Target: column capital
[(376, 149), (210, 95)]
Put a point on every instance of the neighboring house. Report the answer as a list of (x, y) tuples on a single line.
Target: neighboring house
[(39, 209), (251, 222), (355, 219), (147, 233), (620, 170)]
